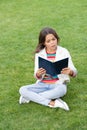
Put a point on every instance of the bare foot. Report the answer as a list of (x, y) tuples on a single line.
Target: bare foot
[(52, 103)]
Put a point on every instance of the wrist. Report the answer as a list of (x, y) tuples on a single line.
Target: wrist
[(71, 73), (38, 76)]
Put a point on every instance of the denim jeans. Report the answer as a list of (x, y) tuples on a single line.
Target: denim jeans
[(43, 93)]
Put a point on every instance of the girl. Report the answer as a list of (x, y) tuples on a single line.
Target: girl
[(48, 89)]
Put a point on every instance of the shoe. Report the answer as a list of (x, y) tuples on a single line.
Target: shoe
[(61, 104), (23, 100)]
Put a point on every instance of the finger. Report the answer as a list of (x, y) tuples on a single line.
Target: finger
[(65, 69), (42, 69)]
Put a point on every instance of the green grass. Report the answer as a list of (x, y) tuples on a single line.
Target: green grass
[(20, 23)]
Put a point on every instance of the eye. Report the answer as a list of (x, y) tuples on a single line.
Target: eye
[(53, 39), (48, 41)]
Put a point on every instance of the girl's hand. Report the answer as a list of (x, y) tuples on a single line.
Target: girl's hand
[(40, 72), (67, 71)]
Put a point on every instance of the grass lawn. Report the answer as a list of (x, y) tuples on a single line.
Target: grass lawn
[(20, 23)]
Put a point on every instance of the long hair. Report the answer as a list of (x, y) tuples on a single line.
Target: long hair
[(42, 37)]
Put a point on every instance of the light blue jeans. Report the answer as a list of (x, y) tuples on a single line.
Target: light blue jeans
[(42, 93)]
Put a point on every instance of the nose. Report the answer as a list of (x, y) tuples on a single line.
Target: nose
[(52, 42)]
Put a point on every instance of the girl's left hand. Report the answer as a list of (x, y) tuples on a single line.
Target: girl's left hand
[(67, 71)]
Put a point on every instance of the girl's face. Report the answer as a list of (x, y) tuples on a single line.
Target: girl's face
[(50, 43)]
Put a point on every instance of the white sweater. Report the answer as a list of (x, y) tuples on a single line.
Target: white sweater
[(61, 53)]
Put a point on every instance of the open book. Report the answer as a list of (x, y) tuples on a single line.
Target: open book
[(53, 68)]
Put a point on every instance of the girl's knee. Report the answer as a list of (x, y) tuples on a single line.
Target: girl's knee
[(64, 89), (21, 90)]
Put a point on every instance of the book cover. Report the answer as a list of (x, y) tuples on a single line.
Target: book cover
[(53, 68)]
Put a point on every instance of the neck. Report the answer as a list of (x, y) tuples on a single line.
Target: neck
[(51, 51)]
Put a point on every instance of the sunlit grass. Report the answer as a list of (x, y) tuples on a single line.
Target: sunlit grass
[(20, 23)]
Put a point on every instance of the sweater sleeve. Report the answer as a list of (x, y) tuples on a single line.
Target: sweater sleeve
[(36, 67), (71, 65)]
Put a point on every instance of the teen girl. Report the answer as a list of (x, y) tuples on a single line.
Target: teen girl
[(48, 90)]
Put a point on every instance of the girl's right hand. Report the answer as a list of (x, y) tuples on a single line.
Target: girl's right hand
[(40, 72)]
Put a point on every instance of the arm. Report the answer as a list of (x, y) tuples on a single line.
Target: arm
[(70, 70), (38, 72)]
